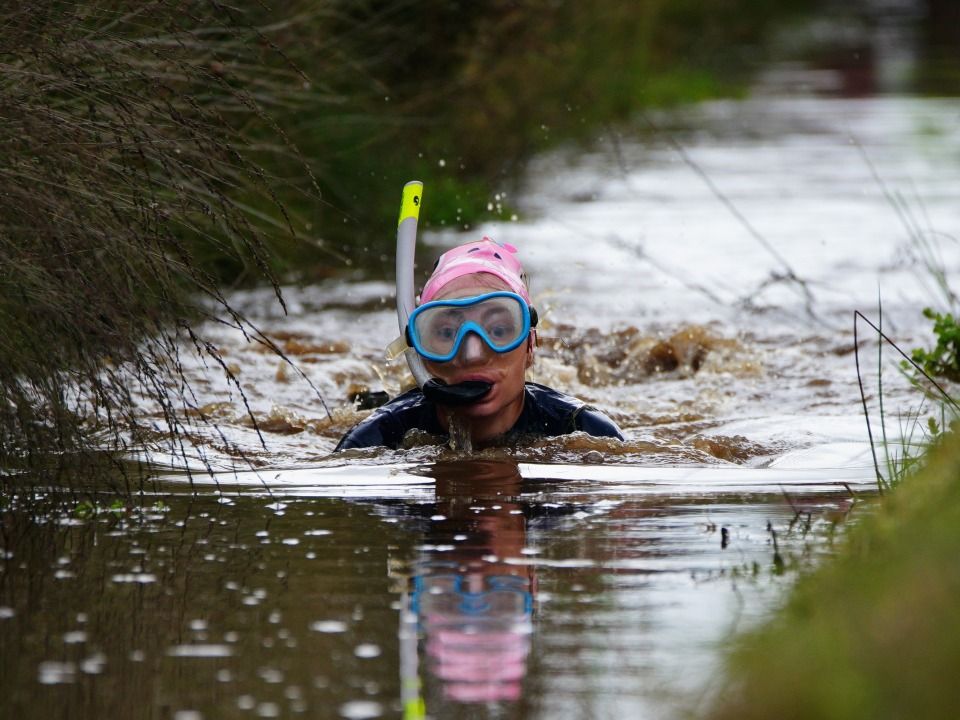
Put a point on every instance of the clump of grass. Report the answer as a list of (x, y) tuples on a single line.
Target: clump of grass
[(903, 457), (126, 157)]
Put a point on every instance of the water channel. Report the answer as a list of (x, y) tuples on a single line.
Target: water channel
[(697, 273)]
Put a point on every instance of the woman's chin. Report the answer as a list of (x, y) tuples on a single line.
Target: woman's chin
[(485, 408)]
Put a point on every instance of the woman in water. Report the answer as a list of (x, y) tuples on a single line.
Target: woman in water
[(475, 328)]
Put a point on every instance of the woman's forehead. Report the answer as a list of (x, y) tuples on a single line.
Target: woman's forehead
[(470, 285)]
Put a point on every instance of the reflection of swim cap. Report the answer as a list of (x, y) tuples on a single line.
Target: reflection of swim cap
[(483, 256)]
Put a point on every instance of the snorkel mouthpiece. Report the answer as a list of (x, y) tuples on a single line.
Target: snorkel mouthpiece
[(434, 389), (461, 393)]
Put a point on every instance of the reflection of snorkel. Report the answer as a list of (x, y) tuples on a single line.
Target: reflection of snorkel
[(466, 619), (434, 389)]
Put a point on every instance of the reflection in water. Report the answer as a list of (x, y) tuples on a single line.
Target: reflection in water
[(601, 595), (473, 610)]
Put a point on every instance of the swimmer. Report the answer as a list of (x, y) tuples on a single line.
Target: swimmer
[(474, 336)]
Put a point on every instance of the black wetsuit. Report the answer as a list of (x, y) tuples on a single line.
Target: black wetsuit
[(546, 412)]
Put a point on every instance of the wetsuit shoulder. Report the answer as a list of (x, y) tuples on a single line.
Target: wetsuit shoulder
[(387, 425), (550, 412), (593, 422)]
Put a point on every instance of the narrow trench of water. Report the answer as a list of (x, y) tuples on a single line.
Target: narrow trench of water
[(577, 577)]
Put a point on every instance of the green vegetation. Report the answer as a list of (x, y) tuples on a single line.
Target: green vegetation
[(874, 633), (944, 359)]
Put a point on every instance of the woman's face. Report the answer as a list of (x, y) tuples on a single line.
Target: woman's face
[(476, 361)]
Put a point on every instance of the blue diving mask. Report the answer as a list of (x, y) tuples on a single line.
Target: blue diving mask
[(437, 329)]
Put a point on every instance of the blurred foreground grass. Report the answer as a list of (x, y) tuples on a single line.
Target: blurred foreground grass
[(874, 632)]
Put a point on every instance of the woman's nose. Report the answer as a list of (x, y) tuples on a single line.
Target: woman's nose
[(472, 349)]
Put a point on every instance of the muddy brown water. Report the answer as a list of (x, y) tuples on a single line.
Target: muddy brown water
[(457, 588)]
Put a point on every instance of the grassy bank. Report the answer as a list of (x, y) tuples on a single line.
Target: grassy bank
[(874, 633)]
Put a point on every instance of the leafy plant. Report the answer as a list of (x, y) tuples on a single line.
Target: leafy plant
[(944, 359)]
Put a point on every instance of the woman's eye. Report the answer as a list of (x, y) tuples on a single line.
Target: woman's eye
[(445, 332), (501, 332)]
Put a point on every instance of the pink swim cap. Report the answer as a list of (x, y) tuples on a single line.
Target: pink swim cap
[(483, 256)]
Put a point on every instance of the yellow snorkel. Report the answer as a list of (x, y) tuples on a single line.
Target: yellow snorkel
[(433, 389)]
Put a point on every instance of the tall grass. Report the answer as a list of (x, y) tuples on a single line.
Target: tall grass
[(128, 159)]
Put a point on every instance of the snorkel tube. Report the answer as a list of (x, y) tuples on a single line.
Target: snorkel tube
[(434, 389)]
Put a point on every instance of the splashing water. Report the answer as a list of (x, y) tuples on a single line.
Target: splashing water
[(461, 439)]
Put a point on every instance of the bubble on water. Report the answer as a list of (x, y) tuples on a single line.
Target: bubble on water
[(270, 675), (52, 672), (367, 650), (262, 533), (328, 626), (63, 575), (76, 636), (361, 709), (139, 577), (94, 664), (209, 650), (291, 541), (441, 162), (198, 624), (268, 710), (246, 702)]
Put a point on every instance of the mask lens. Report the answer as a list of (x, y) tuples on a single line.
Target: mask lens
[(498, 320)]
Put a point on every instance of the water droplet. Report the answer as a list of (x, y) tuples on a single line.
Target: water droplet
[(94, 664), (328, 626), (76, 636), (367, 650), (268, 710), (361, 709), (188, 715), (52, 672)]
